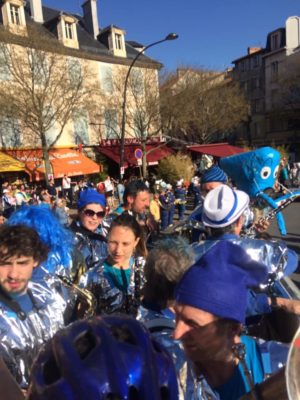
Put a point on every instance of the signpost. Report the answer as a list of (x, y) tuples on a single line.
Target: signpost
[(138, 154)]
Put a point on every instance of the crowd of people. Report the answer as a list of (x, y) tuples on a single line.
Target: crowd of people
[(100, 305)]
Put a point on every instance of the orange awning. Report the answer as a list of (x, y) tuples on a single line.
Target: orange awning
[(63, 161)]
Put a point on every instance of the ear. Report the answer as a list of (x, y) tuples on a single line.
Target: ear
[(36, 264), (130, 199)]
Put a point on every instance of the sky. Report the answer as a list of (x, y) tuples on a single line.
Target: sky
[(212, 33)]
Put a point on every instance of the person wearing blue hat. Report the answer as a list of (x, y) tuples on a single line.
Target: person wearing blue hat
[(224, 214), (213, 177), (90, 240), (211, 302)]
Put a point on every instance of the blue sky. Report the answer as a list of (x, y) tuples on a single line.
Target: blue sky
[(212, 33)]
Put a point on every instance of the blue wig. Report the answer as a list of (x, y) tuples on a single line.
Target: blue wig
[(59, 239)]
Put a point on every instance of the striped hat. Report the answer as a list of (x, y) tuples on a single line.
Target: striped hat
[(214, 174), (223, 206)]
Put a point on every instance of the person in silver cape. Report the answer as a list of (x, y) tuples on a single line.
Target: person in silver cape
[(30, 313)]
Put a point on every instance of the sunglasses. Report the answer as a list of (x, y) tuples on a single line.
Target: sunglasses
[(91, 213)]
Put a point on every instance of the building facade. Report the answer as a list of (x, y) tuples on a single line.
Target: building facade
[(271, 82), (69, 78)]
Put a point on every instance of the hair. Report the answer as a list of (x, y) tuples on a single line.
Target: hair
[(20, 240), (164, 267), (128, 221), (41, 218), (133, 188), (222, 231)]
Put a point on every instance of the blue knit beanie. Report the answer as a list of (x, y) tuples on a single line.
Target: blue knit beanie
[(89, 196), (219, 281), (214, 174)]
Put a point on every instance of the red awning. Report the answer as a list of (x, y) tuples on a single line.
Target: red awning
[(63, 161), (216, 149), (155, 154)]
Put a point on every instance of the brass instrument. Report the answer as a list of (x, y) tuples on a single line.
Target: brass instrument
[(83, 294), (271, 214)]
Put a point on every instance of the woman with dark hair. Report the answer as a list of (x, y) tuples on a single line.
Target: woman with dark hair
[(117, 283)]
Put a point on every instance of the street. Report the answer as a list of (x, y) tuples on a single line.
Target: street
[(292, 221)]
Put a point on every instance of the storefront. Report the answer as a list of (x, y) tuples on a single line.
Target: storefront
[(63, 161)]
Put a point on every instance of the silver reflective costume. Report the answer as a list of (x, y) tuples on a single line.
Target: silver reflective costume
[(273, 254), (111, 299), (161, 325), (21, 340)]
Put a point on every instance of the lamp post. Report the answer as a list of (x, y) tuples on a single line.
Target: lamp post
[(170, 36)]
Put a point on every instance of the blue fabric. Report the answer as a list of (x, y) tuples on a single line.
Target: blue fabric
[(89, 196), (218, 283), (24, 302), (237, 385), (116, 276), (214, 174)]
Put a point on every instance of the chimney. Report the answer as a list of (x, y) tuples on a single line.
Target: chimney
[(90, 17), (252, 50), (36, 11)]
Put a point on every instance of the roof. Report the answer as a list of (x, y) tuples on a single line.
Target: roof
[(216, 149), (89, 47)]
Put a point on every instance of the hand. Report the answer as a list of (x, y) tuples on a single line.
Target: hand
[(261, 226)]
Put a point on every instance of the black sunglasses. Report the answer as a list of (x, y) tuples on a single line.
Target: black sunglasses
[(91, 213)]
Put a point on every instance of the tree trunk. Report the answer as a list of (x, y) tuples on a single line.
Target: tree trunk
[(46, 159), (144, 160)]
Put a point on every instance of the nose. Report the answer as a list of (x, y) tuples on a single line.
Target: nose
[(180, 330), (13, 272)]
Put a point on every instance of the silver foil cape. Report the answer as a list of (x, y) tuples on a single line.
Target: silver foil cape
[(190, 387), (21, 340), (109, 298), (273, 254)]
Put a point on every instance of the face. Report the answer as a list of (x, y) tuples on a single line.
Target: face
[(2, 219), (91, 216), (207, 187), (140, 203), (202, 334), (121, 245), (15, 273)]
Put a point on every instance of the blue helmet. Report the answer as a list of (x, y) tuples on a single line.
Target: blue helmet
[(103, 358)]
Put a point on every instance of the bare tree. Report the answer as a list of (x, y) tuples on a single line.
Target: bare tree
[(199, 105), (43, 88), (142, 108)]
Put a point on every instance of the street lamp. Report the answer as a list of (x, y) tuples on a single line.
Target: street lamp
[(170, 36)]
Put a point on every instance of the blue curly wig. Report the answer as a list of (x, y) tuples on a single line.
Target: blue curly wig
[(59, 239)]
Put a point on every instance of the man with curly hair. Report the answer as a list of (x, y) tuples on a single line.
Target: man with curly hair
[(30, 313)]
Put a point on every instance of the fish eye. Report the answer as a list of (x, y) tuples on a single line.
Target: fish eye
[(265, 172), (275, 173)]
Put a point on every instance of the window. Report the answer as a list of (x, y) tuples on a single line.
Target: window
[(255, 82), (4, 68), (111, 124), (118, 41), (275, 44), (74, 71), (255, 61), (137, 82), (81, 132), (257, 106), (106, 78), (39, 66), (69, 30), (15, 14), (10, 133), (242, 66), (274, 71)]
